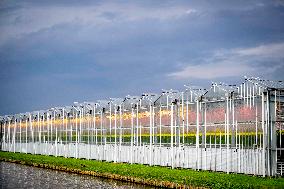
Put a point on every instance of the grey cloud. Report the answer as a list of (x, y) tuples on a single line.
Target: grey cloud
[(59, 52), (237, 62)]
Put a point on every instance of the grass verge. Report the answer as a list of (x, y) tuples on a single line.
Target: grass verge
[(143, 174)]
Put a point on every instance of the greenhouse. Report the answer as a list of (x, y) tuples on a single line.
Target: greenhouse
[(228, 128)]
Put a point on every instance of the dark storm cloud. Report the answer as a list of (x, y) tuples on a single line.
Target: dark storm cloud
[(57, 52)]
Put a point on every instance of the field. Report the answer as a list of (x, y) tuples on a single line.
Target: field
[(153, 175)]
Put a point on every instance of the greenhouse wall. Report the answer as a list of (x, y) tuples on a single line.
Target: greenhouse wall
[(226, 128)]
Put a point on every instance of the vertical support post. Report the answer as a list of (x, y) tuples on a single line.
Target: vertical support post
[(187, 121), (247, 95), (227, 134), (56, 134), (160, 116), (172, 136), (51, 130), (4, 136), (14, 135), (94, 133), (47, 122), (71, 127), (177, 123), (151, 138), (250, 96), (76, 125), (115, 130), (132, 133), (140, 125), (101, 129), (272, 132), (26, 135), (137, 123), (1, 135), (20, 135), (182, 107), (267, 134), (66, 128), (205, 126), (256, 125), (238, 144), (120, 130), (9, 135), (263, 135), (94, 125), (154, 126), (32, 133), (38, 132), (197, 134), (65, 123), (244, 91), (205, 134), (80, 124), (110, 123)]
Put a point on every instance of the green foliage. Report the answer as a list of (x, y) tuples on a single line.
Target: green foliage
[(157, 173)]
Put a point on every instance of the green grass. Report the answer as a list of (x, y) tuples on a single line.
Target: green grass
[(157, 173)]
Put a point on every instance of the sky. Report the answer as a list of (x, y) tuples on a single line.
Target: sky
[(54, 53)]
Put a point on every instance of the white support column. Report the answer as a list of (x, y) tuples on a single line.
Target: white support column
[(187, 121), (267, 135), (9, 135), (43, 128), (183, 125), (39, 128), (26, 135), (76, 125), (160, 114), (233, 133), (4, 136), (94, 124), (256, 126), (80, 125), (263, 135), (151, 142), (47, 122), (131, 136), (227, 134), (63, 124), (89, 134), (247, 95), (14, 136), (172, 136), (110, 123), (238, 143), (153, 125), (56, 134), (21, 147), (250, 96), (101, 114), (32, 133), (205, 133), (253, 95), (197, 134), (120, 131), (137, 123), (71, 127), (244, 91), (115, 131)]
